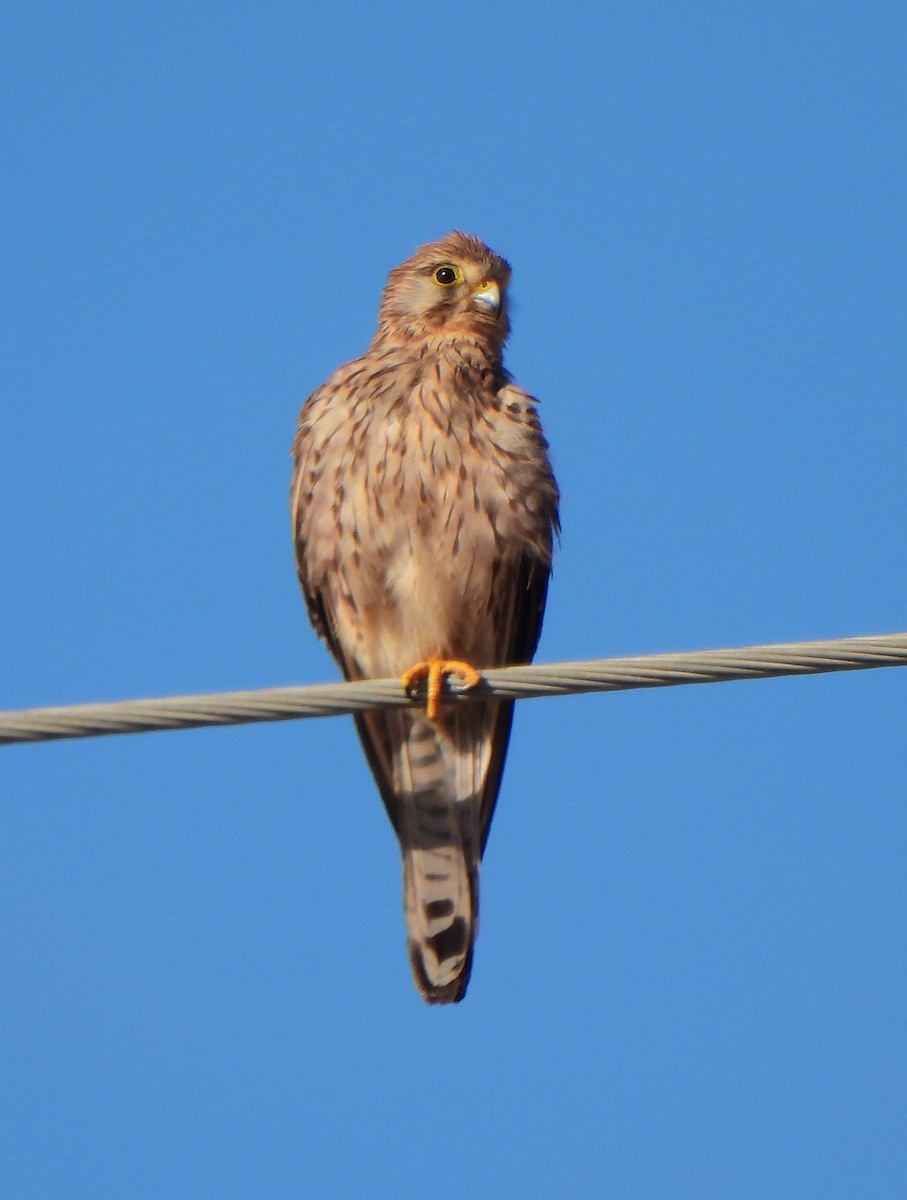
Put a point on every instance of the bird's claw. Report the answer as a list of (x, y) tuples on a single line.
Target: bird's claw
[(433, 671)]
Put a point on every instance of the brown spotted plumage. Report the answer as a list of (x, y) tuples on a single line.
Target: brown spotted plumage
[(423, 509)]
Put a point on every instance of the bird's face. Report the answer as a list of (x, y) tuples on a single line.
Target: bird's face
[(456, 286)]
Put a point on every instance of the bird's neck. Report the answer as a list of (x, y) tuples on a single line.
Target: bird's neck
[(456, 349)]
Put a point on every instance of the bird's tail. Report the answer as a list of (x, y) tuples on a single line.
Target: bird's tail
[(440, 836)]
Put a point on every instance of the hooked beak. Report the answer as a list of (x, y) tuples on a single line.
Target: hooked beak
[(488, 293)]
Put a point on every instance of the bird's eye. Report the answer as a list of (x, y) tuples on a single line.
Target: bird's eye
[(447, 275)]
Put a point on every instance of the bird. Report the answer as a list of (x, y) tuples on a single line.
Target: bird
[(424, 512)]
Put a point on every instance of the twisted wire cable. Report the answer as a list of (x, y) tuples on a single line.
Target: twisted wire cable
[(512, 683)]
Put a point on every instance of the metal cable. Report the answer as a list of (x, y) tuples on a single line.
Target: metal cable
[(517, 683)]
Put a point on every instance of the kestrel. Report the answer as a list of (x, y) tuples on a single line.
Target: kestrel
[(424, 510)]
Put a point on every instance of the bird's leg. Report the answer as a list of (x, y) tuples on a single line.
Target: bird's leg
[(433, 670)]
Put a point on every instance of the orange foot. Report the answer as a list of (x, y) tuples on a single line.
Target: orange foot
[(434, 669)]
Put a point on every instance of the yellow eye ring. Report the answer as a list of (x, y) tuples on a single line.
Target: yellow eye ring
[(447, 275)]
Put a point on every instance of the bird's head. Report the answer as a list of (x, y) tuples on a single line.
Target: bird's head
[(455, 286)]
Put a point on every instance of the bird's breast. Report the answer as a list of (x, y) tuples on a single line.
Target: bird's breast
[(428, 513)]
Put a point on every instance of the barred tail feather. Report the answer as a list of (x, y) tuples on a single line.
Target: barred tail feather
[(439, 781), (441, 843), (440, 899)]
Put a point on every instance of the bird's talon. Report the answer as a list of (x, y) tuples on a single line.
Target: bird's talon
[(433, 671)]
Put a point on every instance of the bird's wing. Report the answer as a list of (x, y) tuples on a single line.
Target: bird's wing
[(316, 565), (520, 625)]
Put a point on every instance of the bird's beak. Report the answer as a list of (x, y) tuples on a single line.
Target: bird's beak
[(489, 294)]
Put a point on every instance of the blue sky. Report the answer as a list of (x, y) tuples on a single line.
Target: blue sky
[(691, 974)]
